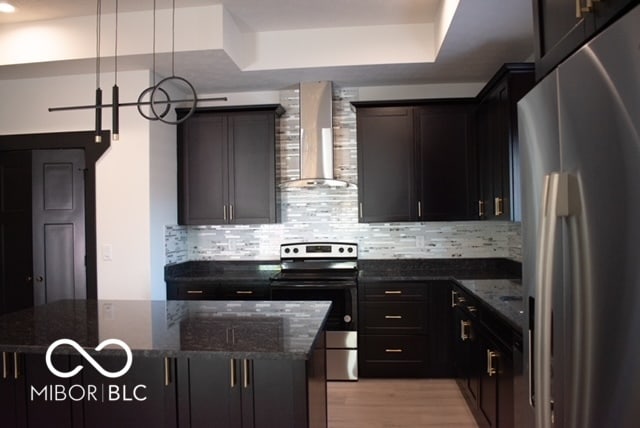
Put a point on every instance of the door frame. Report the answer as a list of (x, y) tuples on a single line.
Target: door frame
[(93, 151)]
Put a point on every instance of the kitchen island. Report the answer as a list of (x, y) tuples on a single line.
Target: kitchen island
[(193, 364)]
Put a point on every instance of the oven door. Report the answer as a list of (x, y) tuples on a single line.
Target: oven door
[(344, 301)]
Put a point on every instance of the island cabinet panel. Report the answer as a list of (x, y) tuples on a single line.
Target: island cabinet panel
[(33, 397), (252, 393), (226, 166), (147, 392)]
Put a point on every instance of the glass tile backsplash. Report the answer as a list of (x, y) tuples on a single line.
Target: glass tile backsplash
[(331, 214)]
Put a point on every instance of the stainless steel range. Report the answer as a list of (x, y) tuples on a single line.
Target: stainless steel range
[(325, 271)]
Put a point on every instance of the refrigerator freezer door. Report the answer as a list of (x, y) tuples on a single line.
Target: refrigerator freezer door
[(599, 106), (540, 156)]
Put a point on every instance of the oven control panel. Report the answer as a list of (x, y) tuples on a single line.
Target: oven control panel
[(320, 250)]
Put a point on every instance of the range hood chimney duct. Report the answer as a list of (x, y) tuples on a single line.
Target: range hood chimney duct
[(316, 137)]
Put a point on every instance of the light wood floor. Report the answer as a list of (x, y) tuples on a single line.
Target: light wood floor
[(397, 403)]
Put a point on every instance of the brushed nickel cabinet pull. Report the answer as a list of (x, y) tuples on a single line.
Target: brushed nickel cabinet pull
[(232, 366), (393, 350), (4, 365), (419, 209), (393, 317), (360, 209), (464, 335), (247, 292), (490, 356), (195, 291), (230, 212), (246, 381), (472, 308), (480, 208), (224, 212), (498, 205), (16, 367), (392, 292), (453, 298), (167, 371)]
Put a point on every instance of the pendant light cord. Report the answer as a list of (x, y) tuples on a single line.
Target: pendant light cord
[(154, 42), (116, 48), (98, 19), (173, 39)]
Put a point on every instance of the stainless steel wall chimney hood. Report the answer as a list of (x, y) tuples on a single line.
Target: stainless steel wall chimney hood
[(316, 137)]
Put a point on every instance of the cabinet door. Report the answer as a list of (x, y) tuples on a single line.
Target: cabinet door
[(202, 159), (558, 31), (488, 372), (147, 392), (280, 397), (9, 408), (252, 167), (387, 188), (213, 395), (439, 338), (444, 136)]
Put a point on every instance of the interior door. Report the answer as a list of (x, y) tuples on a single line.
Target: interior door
[(16, 291), (58, 225)]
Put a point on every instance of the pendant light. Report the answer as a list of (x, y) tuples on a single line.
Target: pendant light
[(98, 136)]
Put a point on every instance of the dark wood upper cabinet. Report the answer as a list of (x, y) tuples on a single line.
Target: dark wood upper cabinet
[(226, 166), (445, 137), (560, 28), (415, 160), (497, 142), (387, 161)]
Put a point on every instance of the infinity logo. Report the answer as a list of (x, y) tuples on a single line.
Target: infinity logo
[(88, 357)]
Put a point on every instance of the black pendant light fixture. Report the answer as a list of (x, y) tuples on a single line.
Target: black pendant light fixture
[(98, 136), (158, 96), (115, 91)]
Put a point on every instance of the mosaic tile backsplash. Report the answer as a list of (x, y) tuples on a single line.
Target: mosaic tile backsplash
[(330, 214)]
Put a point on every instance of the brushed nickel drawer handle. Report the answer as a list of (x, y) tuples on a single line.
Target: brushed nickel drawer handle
[(244, 292), (393, 317), (393, 292), (167, 371), (393, 350), (232, 371), (4, 365), (195, 291)]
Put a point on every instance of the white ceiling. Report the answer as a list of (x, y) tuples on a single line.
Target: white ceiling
[(482, 36)]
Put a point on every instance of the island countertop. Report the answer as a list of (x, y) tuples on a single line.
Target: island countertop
[(219, 329)]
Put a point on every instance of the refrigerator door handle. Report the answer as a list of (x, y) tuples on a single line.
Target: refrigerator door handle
[(544, 303), (569, 206)]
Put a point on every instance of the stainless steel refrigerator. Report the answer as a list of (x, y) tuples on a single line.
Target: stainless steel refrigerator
[(580, 178)]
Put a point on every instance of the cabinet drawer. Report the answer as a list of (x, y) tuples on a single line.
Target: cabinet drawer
[(396, 317), (244, 293), (395, 291), (394, 348), (192, 292)]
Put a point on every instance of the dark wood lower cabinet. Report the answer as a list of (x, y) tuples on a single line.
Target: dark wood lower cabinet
[(483, 364), (246, 393), (158, 392), (404, 329)]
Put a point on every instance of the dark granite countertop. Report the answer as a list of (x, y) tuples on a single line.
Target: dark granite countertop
[(227, 272), (219, 329), (503, 295), (426, 269)]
